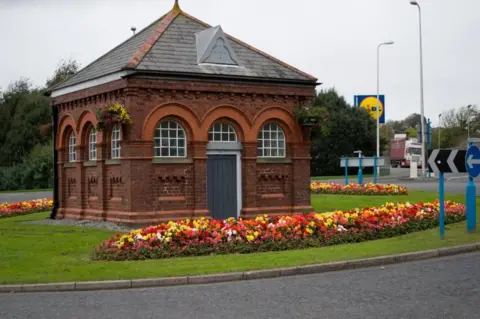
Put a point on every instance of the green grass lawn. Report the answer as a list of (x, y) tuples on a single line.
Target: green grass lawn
[(350, 177), (42, 253)]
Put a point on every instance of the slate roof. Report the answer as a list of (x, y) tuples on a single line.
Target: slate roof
[(169, 45)]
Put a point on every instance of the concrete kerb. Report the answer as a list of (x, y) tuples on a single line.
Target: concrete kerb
[(239, 276)]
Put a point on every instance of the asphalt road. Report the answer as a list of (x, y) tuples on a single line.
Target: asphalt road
[(437, 288), (19, 197)]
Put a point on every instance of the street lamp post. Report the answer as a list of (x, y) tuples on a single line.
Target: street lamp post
[(468, 120), (439, 128), (415, 3), (378, 99)]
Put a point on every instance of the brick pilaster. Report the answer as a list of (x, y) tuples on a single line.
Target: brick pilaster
[(301, 177), (249, 179)]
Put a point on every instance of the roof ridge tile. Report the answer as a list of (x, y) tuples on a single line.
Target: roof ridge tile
[(143, 50)]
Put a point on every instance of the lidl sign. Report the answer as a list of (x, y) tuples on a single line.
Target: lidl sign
[(370, 103)]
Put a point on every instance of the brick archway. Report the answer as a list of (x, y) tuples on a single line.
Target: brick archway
[(171, 110), (86, 119), (232, 115), (280, 116), (67, 122)]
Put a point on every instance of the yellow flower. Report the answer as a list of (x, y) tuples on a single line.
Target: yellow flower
[(250, 238)]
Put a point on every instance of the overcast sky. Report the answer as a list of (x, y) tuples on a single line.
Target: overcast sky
[(334, 40)]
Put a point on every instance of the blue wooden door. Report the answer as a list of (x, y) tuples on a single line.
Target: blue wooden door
[(222, 186)]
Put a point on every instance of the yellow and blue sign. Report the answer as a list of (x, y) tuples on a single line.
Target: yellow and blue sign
[(370, 103)]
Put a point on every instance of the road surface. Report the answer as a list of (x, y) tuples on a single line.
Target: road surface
[(437, 288), (19, 197)]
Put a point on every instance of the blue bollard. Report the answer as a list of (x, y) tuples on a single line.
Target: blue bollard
[(441, 191), (374, 169), (346, 170)]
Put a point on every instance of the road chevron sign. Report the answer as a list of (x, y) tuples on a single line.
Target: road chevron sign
[(447, 161)]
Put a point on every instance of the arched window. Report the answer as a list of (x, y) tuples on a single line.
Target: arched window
[(116, 138), (72, 152), (170, 140), (92, 145), (222, 132), (271, 141)]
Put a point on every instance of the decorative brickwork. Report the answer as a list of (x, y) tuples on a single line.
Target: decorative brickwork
[(139, 189)]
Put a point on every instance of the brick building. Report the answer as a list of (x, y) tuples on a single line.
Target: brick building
[(213, 130)]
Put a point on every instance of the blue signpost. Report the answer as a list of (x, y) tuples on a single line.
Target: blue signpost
[(472, 162), (447, 161), (441, 191)]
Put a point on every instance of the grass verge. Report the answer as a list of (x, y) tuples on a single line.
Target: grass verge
[(42, 253)]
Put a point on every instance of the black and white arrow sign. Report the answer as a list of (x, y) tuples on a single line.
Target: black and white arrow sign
[(447, 161)]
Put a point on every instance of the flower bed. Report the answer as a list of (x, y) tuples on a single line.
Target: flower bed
[(21, 208), (358, 189), (205, 236)]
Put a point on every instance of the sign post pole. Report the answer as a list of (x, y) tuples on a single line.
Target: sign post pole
[(471, 194), (360, 170), (429, 142), (346, 170), (441, 190), (374, 169)]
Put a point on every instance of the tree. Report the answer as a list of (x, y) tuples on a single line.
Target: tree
[(411, 132), (349, 129), (65, 70), (25, 157), (23, 109)]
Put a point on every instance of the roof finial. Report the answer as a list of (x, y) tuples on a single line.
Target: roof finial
[(176, 7)]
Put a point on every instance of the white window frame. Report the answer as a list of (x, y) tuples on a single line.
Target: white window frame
[(219, 130), (115, 141), (72, 145), (92, 144), (265, 141), (163, 139)]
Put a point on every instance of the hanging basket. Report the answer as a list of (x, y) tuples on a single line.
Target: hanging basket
[(311, 116), (308, 121), (112, 114)]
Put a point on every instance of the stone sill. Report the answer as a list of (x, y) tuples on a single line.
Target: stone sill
[(172, 199), (172, 160), (90, 164), (272, 196), (116, 161), (70, 164), (92, 198), (274, 160)]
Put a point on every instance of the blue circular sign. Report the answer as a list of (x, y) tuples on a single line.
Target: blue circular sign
[(472, 161)]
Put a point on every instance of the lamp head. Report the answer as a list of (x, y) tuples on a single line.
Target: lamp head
[(414, 3)]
